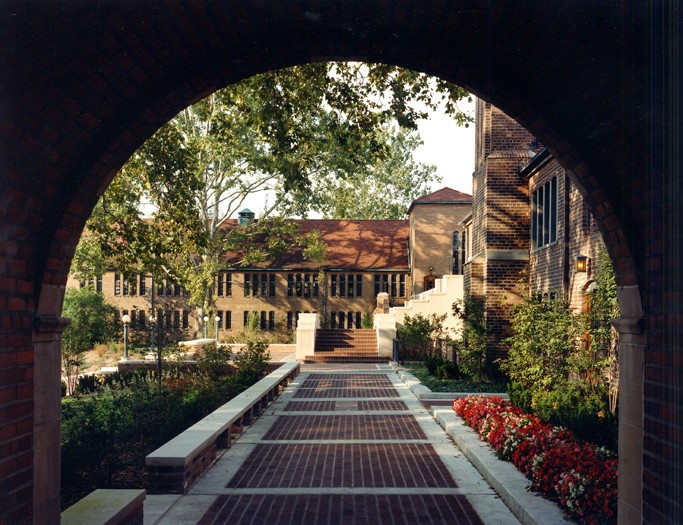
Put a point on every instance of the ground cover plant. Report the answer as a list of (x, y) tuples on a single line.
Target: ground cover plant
[(106, 434), (579, 475), (459, 384)]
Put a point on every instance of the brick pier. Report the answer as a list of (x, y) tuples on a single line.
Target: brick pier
[(344, 444)]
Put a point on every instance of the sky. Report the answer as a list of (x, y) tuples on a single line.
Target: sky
[(450, 148)]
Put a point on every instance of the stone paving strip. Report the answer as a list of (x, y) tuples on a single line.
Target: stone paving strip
[(349, 446)]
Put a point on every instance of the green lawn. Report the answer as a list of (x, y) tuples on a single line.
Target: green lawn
[(453, 385)]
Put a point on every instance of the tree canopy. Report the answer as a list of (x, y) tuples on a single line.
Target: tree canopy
[(330, 138)]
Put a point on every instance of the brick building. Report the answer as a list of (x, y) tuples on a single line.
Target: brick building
[(529, 224), (364, 258)]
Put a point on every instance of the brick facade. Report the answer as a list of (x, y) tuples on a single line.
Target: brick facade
[(500, 217), (602, 95)]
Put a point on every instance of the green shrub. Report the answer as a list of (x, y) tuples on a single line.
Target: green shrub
[(520, 396), (88, 384), (105, 437), (582, 410), (215, 361), (471, 347), (253, 359)]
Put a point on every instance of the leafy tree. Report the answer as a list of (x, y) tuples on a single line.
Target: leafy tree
[(382, 189), (418, 333), (471, 347), (546, 332), (301, 134), (93, 321), (604, 340)]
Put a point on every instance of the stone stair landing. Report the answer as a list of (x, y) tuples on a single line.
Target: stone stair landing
[(346, 346)]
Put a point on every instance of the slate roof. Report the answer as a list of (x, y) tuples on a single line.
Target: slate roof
[(353, 245)]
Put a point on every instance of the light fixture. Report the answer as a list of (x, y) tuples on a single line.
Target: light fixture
[(218, 320), (581, 263), (206, 327), (126, 322)]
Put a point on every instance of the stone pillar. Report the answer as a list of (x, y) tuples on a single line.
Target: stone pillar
[(632, 342), (306, 326), (47, 339), (385, 326)]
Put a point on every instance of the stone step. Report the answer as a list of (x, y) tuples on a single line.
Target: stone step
[(331, 359)]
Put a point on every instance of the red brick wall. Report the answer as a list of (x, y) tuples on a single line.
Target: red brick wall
[(77, 105), (500, 217)]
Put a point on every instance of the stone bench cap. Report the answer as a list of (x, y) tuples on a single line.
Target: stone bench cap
[(180, 450), (103, 507)]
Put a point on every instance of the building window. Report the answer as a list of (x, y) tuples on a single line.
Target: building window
[(143, 285), (349, 320), (117, 283), (176, 320), (307, 285), (342, 319), (346, 285), (271, 320), (228, 285), (394, 290), (300, 285), (263, 320), (358, 320), (544, 215), (463, 252), (457, 248), (271, 285), (587, 215), (402, 285), (186, 319), (333, 320), (220, 285), (228, 320), (290, 323)]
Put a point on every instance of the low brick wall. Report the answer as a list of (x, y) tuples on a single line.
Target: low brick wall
[(174, 467), (178, 479)]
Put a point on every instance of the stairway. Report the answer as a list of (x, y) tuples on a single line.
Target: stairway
[(345, 346)]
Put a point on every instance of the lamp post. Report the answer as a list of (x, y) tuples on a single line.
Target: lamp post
[(217, 319), (206, 327), (126, 322), (152, 321)]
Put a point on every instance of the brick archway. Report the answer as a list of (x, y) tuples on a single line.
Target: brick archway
[(89, 83)]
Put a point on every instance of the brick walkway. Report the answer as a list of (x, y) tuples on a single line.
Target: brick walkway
[(343, 445)]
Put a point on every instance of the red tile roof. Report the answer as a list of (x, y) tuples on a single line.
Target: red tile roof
[(352, 244), (444, 196)]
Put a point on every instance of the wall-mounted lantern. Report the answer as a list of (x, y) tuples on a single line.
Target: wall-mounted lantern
[(581, 263)]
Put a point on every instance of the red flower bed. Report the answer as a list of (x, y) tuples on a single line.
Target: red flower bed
[(580, 476)]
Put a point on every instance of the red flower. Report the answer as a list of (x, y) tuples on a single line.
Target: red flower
[(581, 476)]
